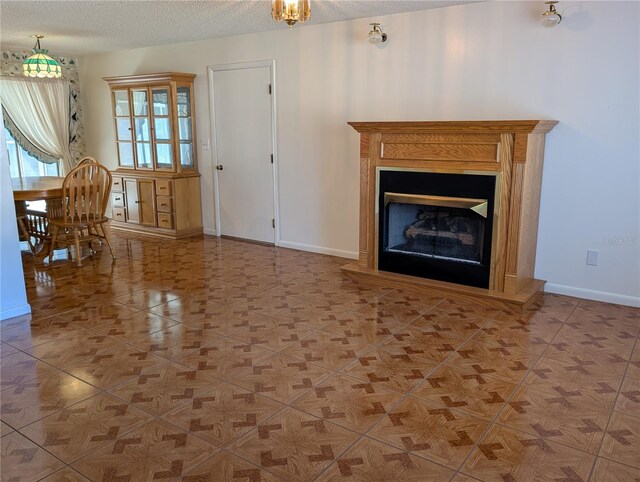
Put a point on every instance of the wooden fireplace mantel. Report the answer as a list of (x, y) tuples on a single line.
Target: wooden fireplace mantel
[(514, 126), (512, 150)]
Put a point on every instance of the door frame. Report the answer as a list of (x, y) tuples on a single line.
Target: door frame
[(271, 64)]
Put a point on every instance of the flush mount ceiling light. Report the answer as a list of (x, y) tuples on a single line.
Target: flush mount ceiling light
[(551, 17), (376, 35), (291, 11), (40, 64)]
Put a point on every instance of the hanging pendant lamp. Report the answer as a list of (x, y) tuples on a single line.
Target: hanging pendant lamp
[(40, 64)]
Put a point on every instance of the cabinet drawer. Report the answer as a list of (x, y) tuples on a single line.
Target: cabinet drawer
[(163, 187), (118, 214), (164, 204), (117, 184), (165, 220), (117, 199)]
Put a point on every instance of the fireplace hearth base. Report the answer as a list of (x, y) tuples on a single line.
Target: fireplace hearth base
[(511, 151), (498, 299)]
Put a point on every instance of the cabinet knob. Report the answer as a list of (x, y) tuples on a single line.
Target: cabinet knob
[(219, 167)]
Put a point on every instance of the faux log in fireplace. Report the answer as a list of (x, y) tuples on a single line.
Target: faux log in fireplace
[(451, 207)]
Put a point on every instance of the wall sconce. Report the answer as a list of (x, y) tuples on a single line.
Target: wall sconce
[(376, 35), (551, 17)]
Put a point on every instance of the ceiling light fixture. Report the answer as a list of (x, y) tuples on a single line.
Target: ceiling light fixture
[(551, 17), (291, 11), (40, 64), (376, 35)]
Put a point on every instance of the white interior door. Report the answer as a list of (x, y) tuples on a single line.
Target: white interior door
[(243, 132)]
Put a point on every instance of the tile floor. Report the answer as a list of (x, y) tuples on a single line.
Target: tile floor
[(217, 360)]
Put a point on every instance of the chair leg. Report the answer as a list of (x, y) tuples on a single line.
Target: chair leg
[(106, 235), (76, 239), (25, 232), (54, 238)]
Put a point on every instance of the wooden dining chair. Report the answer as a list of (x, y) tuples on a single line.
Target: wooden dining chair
[(85, 194), (87, 160)]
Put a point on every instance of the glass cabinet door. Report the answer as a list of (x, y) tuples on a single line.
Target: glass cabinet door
[(122, 119), (162, 135), (185, 128), (142, 128), (154, 124)]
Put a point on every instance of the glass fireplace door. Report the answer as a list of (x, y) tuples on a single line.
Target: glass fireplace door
[(447, 228)]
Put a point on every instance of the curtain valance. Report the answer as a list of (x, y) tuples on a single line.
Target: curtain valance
[(39, 110)]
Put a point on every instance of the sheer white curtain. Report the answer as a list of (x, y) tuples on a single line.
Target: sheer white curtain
[(40, 110)]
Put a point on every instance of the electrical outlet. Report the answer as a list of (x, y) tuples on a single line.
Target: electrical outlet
[(592, 257), (205, 145)]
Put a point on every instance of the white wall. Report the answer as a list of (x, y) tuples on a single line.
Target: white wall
[(13, 294), (482, 61)]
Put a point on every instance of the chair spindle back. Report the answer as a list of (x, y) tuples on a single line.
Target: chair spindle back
[(86, 192)]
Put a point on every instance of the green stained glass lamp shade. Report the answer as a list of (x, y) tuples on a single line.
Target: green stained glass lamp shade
[(40, 64)]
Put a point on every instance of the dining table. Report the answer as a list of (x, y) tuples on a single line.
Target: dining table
[(36, 221)]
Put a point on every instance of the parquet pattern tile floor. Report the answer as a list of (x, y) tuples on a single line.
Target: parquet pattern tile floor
[(210, 359)]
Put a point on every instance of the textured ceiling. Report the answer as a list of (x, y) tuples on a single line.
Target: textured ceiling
[(82, 27)]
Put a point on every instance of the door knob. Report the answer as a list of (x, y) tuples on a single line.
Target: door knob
[(219, 167)]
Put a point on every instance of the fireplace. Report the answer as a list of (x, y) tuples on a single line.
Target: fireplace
[(450, 208), (436, 226)]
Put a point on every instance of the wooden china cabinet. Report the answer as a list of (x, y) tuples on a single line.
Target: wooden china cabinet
[(156, 187)]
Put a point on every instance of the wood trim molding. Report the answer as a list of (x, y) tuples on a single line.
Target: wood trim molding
[(150, 78), (122, 171), (497, 126), (498, 264)]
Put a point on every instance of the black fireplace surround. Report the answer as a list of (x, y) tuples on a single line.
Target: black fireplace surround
[(436, 226)]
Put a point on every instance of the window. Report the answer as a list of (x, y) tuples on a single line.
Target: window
[(22, 164)]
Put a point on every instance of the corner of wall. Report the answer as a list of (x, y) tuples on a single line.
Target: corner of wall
[(13, 292)]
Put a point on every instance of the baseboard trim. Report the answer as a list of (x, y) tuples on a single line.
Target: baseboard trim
[(592, 295), (318, 249), (14, 311), (209, 231)]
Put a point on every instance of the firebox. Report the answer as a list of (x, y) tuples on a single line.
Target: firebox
[(436, 225)]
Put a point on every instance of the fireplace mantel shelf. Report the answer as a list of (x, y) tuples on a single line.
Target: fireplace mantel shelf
[(514, 126), (510, 150)]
